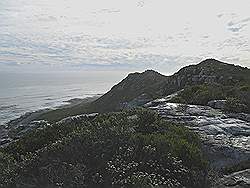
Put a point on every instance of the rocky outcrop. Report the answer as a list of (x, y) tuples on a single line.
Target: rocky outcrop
[(226, 140), (217, 104), (242, 116), (77, 119), (225, 137), (235, 180)]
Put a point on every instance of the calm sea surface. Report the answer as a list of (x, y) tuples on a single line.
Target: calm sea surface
[(25, 92)]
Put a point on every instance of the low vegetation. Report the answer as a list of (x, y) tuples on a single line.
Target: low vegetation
[(237, 97), (134, 148)]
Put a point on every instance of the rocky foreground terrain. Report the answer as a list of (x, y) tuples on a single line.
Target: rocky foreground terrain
[(226, 137)]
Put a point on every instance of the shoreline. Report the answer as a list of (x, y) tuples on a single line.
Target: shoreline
[(34, 115), (13, 129)]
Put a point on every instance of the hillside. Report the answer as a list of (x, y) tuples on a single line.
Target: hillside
[(142, 87), (210, 71), (214, 80), (210, 79)]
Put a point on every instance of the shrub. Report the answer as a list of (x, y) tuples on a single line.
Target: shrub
[(234, 105), (238, 96), (134, 148), (7, 170)]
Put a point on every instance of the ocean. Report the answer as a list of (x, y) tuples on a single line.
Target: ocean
[(27, 92)]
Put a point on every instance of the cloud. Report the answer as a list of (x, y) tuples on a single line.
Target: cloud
[(246, 20), (107, 11), (236, 29), (237, 26), (156, 34), (231, 23), (205, 36), (220, 15), (45, 18)]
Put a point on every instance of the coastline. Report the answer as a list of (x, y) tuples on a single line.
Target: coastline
[(35, 115), (17, 127)]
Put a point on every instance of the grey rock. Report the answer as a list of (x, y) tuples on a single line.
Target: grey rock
[(77, 118), (218, 104), (5, 141), (226, 139), (242, 116), (239, 179)]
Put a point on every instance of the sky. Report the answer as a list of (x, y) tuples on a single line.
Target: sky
[(119, 35)]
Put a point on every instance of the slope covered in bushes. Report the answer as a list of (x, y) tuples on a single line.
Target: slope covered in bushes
[(133, 149), (237, 96), (139, 88)]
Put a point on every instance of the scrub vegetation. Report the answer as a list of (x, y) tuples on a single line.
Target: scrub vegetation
[(134, 148)]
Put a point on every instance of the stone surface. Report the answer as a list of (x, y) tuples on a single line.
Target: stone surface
[(226, 139), (77, 118), (239, 179), (217, 104)]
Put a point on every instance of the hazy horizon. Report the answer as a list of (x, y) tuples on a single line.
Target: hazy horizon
[(126, 36)]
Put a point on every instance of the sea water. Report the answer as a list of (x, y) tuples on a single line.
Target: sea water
[(27, 92)]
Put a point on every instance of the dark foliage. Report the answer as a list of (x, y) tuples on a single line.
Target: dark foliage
[(237, 97), (132, 149)]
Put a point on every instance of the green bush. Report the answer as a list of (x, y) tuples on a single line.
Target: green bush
[(7, 169), (134, 148), (238, 96), (234, 105)]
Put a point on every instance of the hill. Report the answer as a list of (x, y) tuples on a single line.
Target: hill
[(210, 71), (142, 86), (209, 80), (214, 80), (139, 88)]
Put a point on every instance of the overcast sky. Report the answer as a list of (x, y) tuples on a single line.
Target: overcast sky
[(41, 35)]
